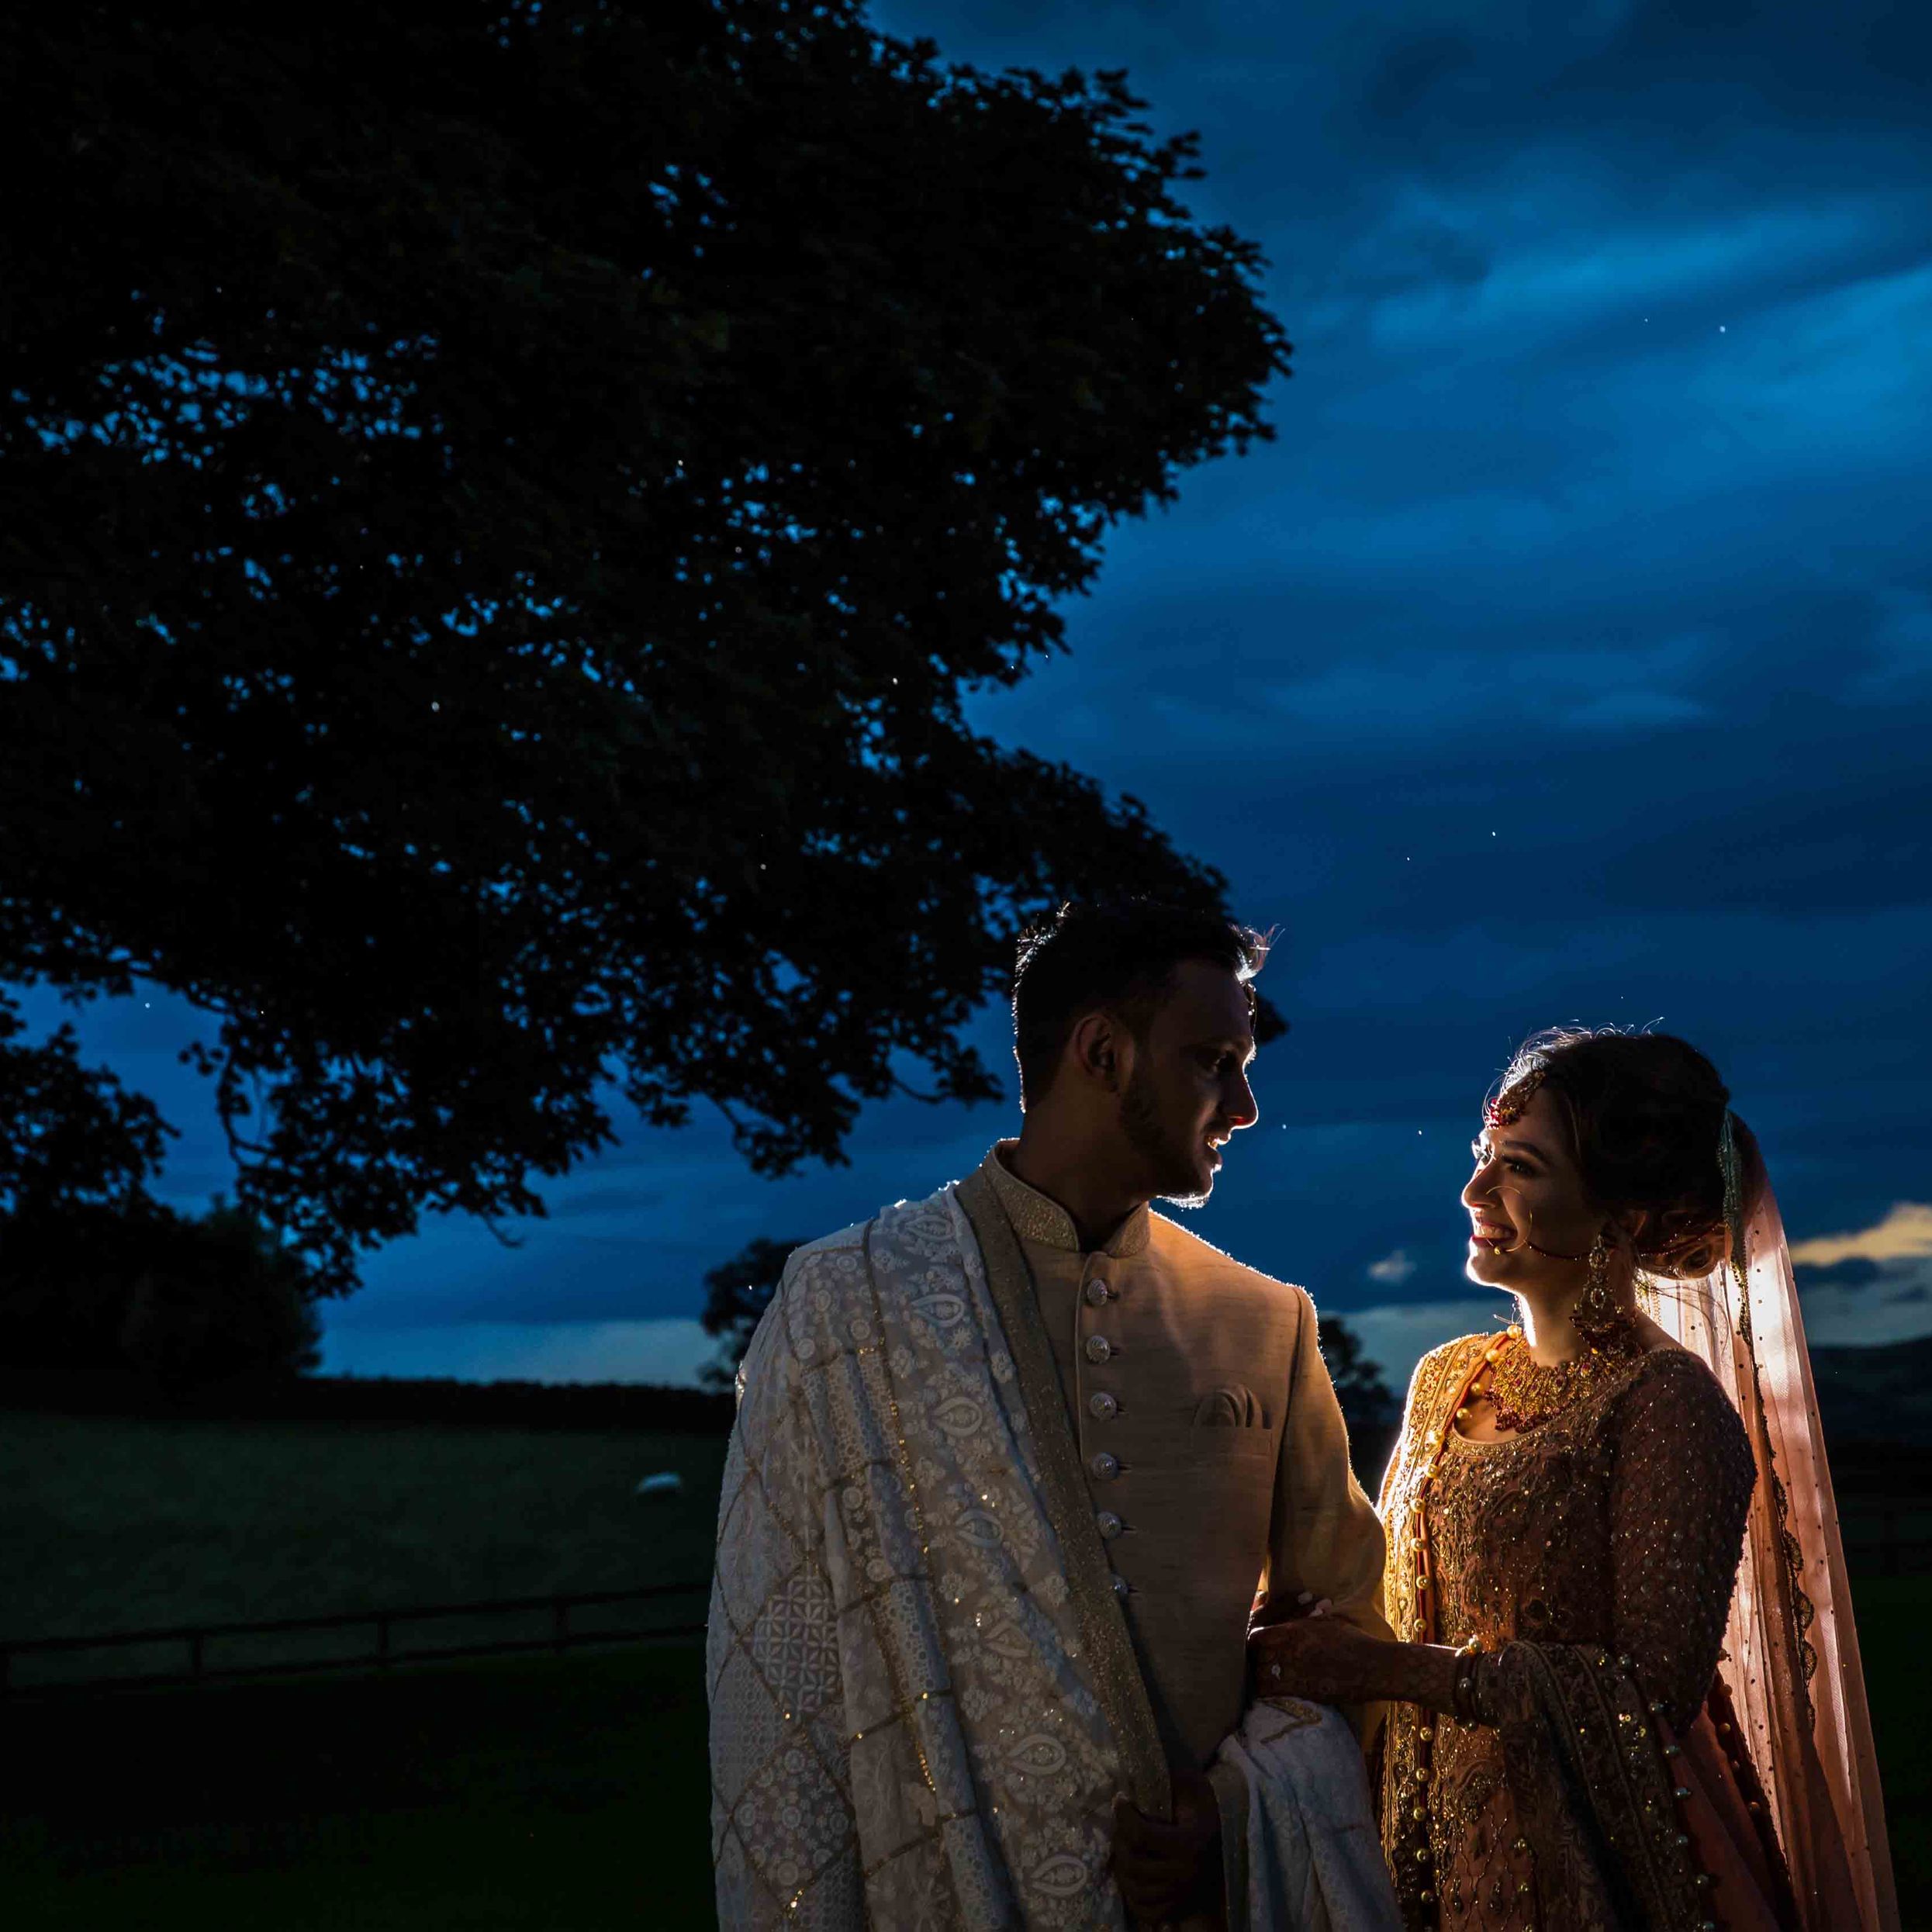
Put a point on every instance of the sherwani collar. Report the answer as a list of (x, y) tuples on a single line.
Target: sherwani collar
[(1038, 1217)]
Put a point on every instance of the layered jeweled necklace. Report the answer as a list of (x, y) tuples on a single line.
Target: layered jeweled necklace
[(1524, 1392)]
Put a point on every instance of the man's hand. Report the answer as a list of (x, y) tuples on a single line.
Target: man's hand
[(1171, 1871)]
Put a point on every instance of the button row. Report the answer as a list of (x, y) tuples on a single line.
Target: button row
[(1103, 1407)]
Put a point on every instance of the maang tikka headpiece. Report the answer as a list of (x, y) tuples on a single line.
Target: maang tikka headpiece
[(1507, 1107)]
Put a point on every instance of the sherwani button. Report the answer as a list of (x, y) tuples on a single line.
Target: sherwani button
[(1105, 1466), (1120, 1586), (1098, 1348), (1109, 1524), (1098, 1294), (1102, 1408)]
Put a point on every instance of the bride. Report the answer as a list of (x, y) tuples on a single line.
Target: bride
[(1627, 1691)]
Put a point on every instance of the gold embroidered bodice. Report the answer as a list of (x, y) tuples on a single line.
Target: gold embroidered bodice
[(1615, 1528)]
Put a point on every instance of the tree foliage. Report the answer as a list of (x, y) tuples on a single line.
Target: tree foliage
[(499, 508), (146, 1297), (737, 1293), (1365, 1398), (72, 1134)]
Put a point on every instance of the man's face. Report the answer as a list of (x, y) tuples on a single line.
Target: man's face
[(1188, 1092)]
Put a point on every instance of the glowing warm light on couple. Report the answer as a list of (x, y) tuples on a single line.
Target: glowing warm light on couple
[(1071, 1441)]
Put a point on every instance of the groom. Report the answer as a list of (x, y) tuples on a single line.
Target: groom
[(1008, 1464)]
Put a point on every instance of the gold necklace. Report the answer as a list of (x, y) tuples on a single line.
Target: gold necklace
[(1524, 1392)]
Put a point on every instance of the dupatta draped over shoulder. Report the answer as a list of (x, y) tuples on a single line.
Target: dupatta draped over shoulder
[(925, 1695), (1669, 1722)]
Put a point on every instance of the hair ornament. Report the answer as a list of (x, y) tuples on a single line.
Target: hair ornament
[(1505, 1108)]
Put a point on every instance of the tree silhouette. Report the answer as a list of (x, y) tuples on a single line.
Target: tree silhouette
[(168, 1301), (1366, 1399), (737, 1293), (498, 509)]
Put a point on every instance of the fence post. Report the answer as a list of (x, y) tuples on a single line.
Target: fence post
[(560, 1625), (382, 1640), (195, 1641)]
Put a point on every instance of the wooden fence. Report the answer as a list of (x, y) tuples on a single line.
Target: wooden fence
[(201, 1647)]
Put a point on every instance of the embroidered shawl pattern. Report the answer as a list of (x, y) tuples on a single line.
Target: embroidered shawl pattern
[(906, 1726)]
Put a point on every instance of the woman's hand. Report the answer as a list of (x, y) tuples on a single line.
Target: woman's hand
[(1323, 1658)]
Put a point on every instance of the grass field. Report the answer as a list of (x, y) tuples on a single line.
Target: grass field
[(110, 1524), (1894, 1614), (564, 1794)]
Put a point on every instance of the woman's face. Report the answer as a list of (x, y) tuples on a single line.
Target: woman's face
[(1526, 1188)]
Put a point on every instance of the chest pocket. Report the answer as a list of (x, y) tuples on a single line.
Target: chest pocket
[(1231, 1407)]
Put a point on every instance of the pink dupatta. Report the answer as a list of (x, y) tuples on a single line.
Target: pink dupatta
[(1790, 1646)]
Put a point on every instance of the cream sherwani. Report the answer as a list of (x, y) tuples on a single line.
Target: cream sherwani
[(988, 1544), (1213, 1448)]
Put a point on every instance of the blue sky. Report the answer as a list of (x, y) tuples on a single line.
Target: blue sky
[(1568, 657)]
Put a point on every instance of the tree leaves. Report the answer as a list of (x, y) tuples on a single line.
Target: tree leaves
[(501, 510)]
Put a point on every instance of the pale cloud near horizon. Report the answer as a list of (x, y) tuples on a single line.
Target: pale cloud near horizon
[(1868, 1315), (1392, 1268), (1904, 1235)]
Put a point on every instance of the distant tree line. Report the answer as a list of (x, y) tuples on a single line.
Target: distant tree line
[(643, 1407)]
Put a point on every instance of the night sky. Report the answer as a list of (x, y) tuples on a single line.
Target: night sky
[(1569, 657)]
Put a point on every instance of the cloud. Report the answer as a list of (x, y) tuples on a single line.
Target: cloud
[(1905, 1234), (1853, 1272), (1872, 1286), (618, 1200), (1394, 1269), (1837, 1316), (1411, 68)]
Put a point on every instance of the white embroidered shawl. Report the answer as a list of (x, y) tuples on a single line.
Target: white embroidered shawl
[(923, 1697)]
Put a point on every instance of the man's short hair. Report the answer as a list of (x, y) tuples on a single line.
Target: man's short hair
[(1121, 957)]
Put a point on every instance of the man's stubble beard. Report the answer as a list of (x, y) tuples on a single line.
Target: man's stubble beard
[(1173, 1170)]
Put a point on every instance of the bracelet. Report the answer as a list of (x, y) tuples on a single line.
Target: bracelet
[(1462, 1693)]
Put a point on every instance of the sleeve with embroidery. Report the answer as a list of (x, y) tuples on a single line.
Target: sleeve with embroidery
[(1680, 1489)]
